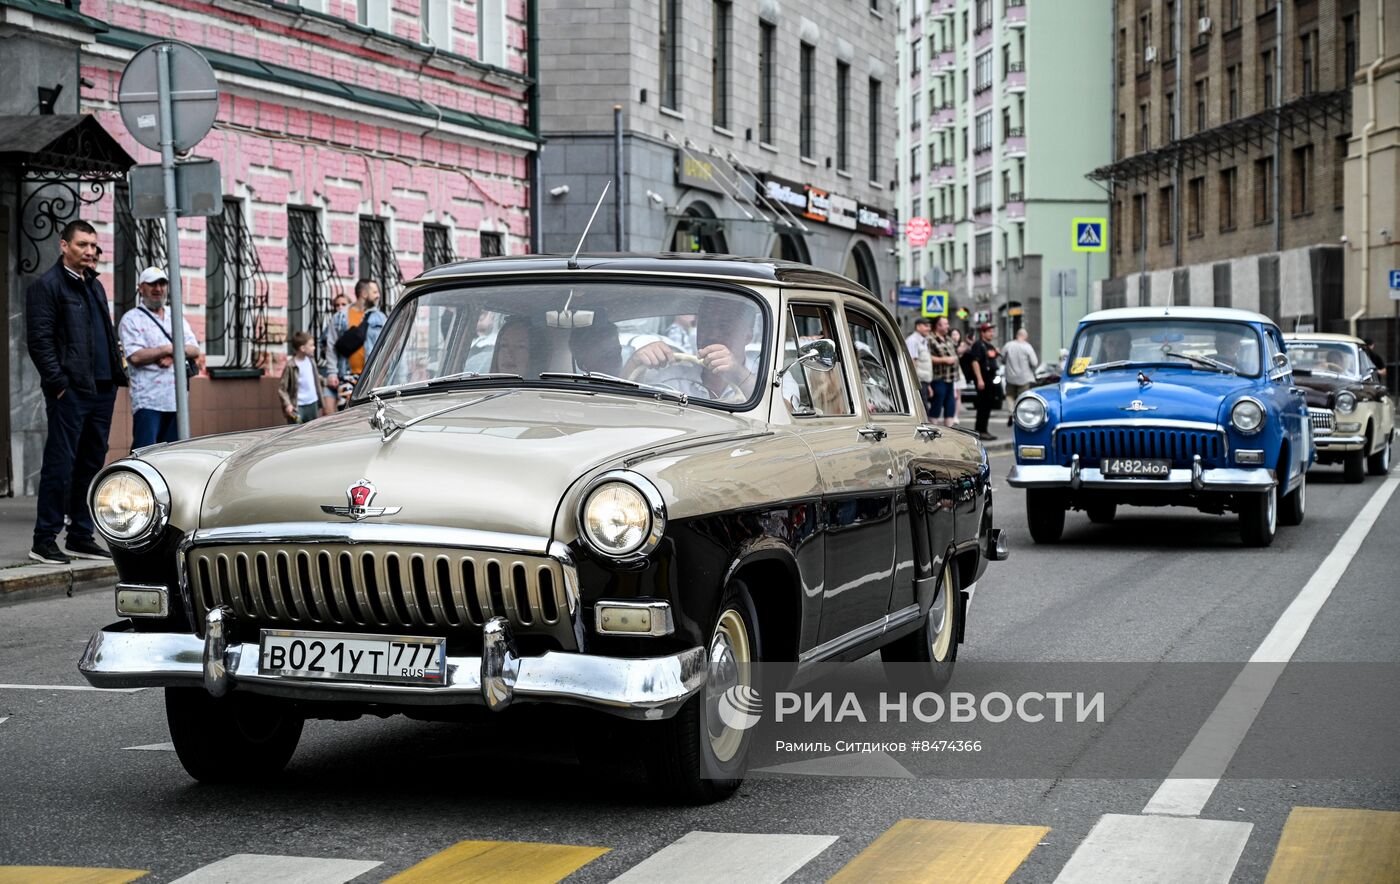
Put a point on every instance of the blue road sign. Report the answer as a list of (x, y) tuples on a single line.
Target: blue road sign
[(910, 296), (1395, 279), (1089, 234)]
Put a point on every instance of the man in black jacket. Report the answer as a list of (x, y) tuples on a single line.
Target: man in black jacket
[(984, 372), (72, 344)]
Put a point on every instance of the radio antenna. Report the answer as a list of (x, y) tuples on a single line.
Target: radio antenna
[(573, 261)]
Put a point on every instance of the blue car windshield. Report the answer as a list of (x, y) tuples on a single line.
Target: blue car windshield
[(1202, 345)]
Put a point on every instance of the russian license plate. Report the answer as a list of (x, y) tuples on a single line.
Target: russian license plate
[(390, 659), (1136, 468)]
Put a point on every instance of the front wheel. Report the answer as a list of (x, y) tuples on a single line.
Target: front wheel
[(233, 739), (1259, 518), (1045, 515), (1293, 507), (1354, 465), (927, 657), (1378, 464), (699, 755)]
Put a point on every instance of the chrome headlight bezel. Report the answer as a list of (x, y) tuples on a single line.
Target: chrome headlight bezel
[(1248, 402), (160, 495), (651, 533), (1346, 402), (1032, 401)]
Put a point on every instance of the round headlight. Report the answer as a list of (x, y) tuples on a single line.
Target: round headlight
[(124, 506), (1247, 416), (1346, 402), (1030, 413), (620, 519)]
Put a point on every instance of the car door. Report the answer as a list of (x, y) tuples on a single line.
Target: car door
[(856, 472), (1291, 403)]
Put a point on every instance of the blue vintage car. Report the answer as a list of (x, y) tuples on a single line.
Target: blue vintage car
[(1167, 406)]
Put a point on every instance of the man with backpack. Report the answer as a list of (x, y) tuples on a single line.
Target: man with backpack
[(146, 340), (353, 334)]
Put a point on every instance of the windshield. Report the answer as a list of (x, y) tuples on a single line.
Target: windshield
[(1203, 345), (1337, 357), (706, 344)]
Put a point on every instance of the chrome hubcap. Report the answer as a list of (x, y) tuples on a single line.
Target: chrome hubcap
[(940, 618), (1273, 509), (730, 656)]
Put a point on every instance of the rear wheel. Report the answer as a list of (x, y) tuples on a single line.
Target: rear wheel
[(1102, 513), (1354, 465), (1045, 515), (700, 754), (1259, 518), (233, 739), (1378, 464), (926, 657), (1293, 507)]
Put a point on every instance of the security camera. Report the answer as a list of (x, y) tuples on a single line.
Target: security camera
[(1385, 234), (1343, 239), (656, 197), (559, 191)]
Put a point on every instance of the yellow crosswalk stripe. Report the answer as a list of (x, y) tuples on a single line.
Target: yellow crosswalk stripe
[(66, 875), (943, 850), (1337, 845), (519, 862)]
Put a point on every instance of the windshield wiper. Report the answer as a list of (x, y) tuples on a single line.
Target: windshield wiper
[(1206, 361), (599, 377), (444, 379), (1100, 366)]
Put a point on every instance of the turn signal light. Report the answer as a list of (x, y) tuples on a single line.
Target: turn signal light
[(1033, 452), (1249, 456), (136, 600), (633, 618)]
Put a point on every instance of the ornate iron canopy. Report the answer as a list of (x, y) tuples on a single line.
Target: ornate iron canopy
[(62, 146)]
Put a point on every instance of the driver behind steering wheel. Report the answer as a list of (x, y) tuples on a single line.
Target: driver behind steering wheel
[(718, 370)]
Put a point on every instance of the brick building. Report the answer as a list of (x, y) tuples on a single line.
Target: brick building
[(356, 139), (1232, 126)]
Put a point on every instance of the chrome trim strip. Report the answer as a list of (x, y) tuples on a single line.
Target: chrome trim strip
[(649, 687), (164, 591), (662, 621), (1143, 423), (859, 635), (393, 533), (1220, 479), (160, 491)]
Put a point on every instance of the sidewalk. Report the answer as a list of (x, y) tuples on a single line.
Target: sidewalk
[(22, 577)]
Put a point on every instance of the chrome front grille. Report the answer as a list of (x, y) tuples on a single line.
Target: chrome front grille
[(1180, 446), (1323, 421), (373, 587)]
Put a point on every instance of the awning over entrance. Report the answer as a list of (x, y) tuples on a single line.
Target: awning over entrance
[(68, 146)]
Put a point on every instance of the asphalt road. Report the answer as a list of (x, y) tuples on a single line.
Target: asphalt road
[(1158, 588)]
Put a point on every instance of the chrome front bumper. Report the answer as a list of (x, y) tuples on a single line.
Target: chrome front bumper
[(646, 688), (1196, 478), (1339, 443)]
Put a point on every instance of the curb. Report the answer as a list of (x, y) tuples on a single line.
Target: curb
[(29, 581)]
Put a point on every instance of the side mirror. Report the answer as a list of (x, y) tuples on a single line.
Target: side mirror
[(819, 354), (1280, 360)]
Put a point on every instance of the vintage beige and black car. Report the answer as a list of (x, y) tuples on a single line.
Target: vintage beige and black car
[(665, 469), (1353, 415)]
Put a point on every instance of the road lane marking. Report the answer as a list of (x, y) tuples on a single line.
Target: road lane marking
[(67, 875), (266, 869), (703, 857), (1334, 844), (1218, 739), (1157, 850), (153, 747), (858, 764), (943, 850), (519, 862), (66, 687)]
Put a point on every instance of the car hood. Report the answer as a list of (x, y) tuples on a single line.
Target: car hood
[(500, 461), (1174, 394)]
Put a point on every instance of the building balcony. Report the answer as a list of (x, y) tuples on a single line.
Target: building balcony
[(942, 7), (1014, 145), (982, 39), (944, 115), (1015, 78), (1015, 209), (1015, 13), (982, 99), (982, 159), (944, 173), (945, 60)]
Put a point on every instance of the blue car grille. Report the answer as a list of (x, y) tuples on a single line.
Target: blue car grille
[(1181, 446)]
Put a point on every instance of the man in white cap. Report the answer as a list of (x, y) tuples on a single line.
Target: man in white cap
[(149, 346)]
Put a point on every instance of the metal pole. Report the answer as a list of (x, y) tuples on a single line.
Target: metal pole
[(172, 238), (1060, 292), (620, 230), (1088, 283)]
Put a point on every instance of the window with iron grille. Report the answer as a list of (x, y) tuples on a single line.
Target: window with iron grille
[(492, 245), (235, 291), (437, 246), (719, 63), (378, 263), (312, 283), (138, 244), (807, 75)]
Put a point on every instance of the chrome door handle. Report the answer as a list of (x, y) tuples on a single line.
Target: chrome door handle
[(928, 431), (1296, 391), (872, 432)]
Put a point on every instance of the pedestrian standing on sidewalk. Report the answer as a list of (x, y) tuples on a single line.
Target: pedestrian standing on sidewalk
[(982, 358), (330, 363), (918, 345), (356, 332), (145, 336), (1020, 360), (74, 347), (960, 346), (300, 390), (943, 354)]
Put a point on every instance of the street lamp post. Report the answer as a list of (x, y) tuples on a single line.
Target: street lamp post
[(984, 225)]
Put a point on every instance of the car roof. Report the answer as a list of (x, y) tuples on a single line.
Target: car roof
[(1322, 336), (764, 270), (1220, 313)]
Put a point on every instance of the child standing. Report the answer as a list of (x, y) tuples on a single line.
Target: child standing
[(301, 382)]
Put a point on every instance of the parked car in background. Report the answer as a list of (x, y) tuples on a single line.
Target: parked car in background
[(1353, 415), (1167, 407), (596, 514)]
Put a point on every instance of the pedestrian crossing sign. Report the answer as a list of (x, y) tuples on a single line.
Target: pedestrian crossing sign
[(1090, 234), (935, 303)]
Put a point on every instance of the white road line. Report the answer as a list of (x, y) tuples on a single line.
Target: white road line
[(1151, 849), (153, 747), (66, 687), (278, 870), (705, 857), (854, 764), (1218, 739), (5, 719)]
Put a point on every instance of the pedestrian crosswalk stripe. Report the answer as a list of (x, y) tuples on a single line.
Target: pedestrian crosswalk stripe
[(942, 850), (702, 857), (1341, 845), (1151, 849), (519, 862), (266, 869), (152, 747), (66, 875)]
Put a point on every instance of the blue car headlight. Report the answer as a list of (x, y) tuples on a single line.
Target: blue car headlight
[(1247, 416)]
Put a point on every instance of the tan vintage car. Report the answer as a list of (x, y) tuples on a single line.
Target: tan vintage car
[(661, 471), (1353, 415)]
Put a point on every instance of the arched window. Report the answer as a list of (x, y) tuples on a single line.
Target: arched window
[(860, 266), (698, 230), (790, 247)]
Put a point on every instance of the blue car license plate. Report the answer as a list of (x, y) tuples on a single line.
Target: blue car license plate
[(1136, 468)]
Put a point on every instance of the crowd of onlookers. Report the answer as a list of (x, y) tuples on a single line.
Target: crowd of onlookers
[(945, 360)]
